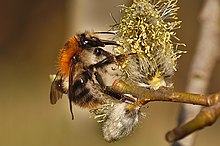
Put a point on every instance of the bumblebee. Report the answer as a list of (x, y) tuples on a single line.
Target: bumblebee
[(78, 64)]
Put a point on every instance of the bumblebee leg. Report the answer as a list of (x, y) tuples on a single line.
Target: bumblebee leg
[(122, 97), (109, 91), (105, 88), (99, 79), (102, 63), (71, 109), (108, 60)]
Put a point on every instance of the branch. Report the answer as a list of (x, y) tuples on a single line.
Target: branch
[(206, 117), (206, 55), (145, 96)]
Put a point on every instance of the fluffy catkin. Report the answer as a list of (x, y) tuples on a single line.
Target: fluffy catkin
[(118, 120), (147, 29)]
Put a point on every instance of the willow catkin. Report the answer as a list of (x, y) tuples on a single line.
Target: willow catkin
[(147, 29)]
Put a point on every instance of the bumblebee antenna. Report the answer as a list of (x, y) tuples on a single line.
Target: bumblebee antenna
[(104, 32)]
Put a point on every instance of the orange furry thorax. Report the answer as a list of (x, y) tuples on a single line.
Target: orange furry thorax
[(70, 49)]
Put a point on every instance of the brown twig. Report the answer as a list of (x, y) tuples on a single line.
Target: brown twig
[(206, 55), (206, 117), (164, 94)]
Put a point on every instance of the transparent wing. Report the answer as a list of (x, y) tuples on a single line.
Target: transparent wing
[(56, 90)]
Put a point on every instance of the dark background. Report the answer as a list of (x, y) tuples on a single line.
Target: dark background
[(31, 34)]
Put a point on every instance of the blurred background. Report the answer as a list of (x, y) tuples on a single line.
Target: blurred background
[(31, 34)]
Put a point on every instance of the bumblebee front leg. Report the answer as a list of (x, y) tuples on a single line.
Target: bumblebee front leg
[(109, 60)]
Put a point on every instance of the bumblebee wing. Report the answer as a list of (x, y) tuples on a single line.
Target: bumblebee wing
[(56, 90)]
